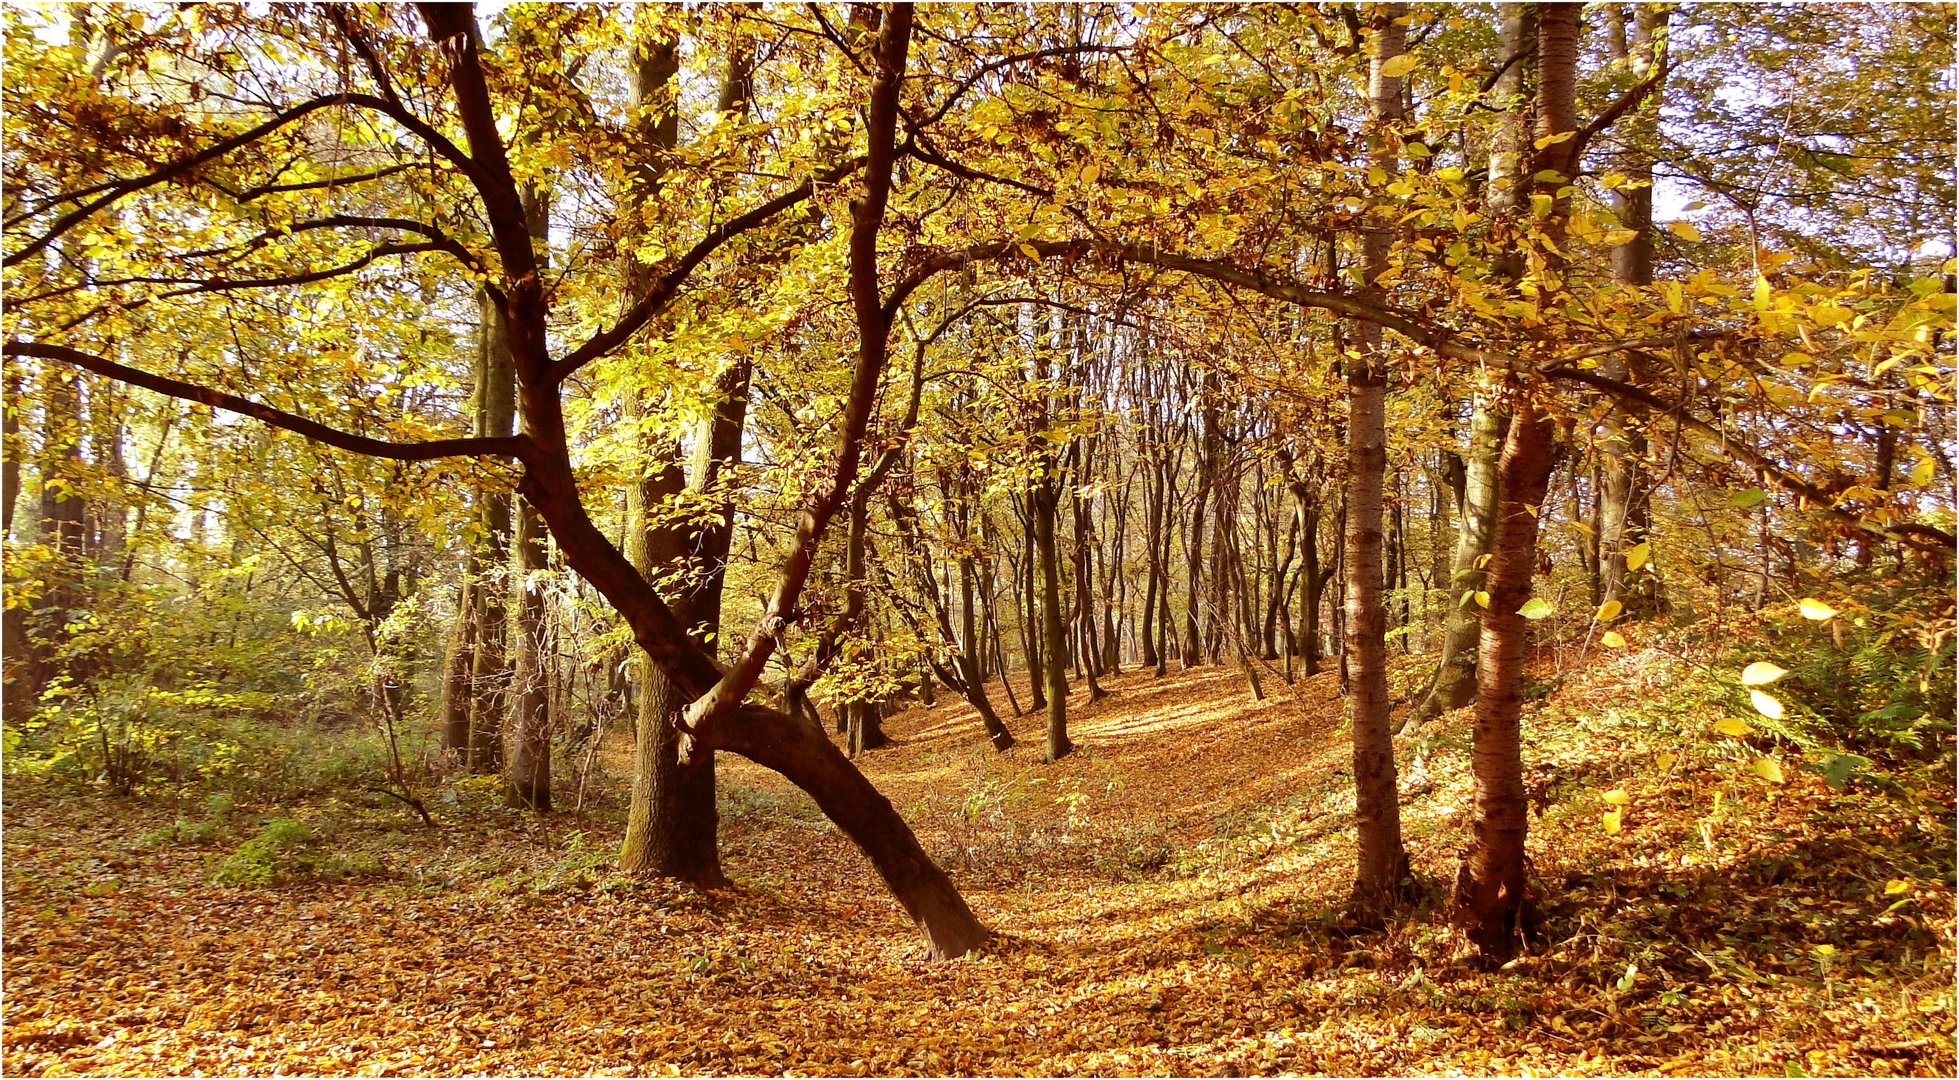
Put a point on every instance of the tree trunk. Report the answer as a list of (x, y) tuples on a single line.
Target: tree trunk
[(672, 821), (527, 772), (457, 665), (1054, 632), (1490, 888), (1381, 875), (64, 529), (490, 674), (1454, 684), (10, 448), (1030, 613), (1491, 884), (1193, 651), (1084, 575), (1455, 679), (1622, 446), (1153, 486)]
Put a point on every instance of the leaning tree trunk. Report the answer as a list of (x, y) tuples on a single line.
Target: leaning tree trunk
[(798, 750), (1381, 875)]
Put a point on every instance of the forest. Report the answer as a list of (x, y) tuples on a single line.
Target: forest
[(1139, 538)]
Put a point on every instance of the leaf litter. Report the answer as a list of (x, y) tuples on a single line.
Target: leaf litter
[(1168, 901)]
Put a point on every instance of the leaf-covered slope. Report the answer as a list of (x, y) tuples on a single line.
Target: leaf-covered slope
[(1167, 902)]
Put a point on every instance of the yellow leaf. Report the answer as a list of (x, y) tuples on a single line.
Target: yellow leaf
[(1684, 230), (1608, 611), (1829, 314), (1665, 760), (1620, 237), (1553, 140), (1396, 66), (1611, 639), (1761, 673), (1091, 173), (1616, 797), (1921, 473), (1612, 819), (1896, 886), (1482, 599), (1637, 555), (1765, 704), (1815, 610), (1728, 725), (1030, 251), (1768, 769)]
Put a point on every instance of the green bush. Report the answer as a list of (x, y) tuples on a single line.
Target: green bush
[(283, 852)]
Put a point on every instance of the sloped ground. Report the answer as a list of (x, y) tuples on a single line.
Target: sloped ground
[(1167, 901)]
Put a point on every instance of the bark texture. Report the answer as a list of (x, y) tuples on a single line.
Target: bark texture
[(1380, 878)]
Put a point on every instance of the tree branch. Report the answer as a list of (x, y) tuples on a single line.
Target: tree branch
[(873, 347), (668, 286), (505, 447), (1913, 534), (116, 190)]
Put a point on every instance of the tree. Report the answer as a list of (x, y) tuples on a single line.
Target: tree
[(1383, 861)]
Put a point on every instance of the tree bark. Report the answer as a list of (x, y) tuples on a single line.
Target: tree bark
[(490, 674), (1491, 884), (1380, 879), (528, 769), (1455, 681), (1490, 889), (1054, 639)]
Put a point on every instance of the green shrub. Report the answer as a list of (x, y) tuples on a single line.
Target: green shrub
[(283, 852)]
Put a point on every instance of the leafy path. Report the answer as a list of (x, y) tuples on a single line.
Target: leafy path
[(1167, 899)]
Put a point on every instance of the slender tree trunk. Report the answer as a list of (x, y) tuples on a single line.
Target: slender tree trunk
[(490, 674), (1053, 630), (108, 514), (1622, 447), (1153, 573), (1031, 613), (528, 771), (10, 448), (1084, 576), (1381, 876), (1206, 465)]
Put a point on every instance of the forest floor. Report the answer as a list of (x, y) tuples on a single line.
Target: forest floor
[(1167, 901)]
